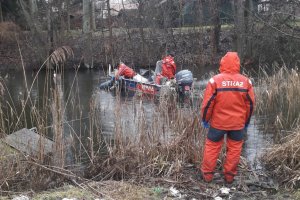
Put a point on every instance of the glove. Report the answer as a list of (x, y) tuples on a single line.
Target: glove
[(205, 124)]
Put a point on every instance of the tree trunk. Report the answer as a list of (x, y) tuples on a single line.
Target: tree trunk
[(93, 15), (86, 16), (198, 12), (181, 15), (36, 32), (62, 28), (249, 27), (28, 16), (1, 14), (50, 34), (239, 26), (111, 48), (33, 8), (68, 15), (215, 34), (141, 30), (87, 52), (128, 30)]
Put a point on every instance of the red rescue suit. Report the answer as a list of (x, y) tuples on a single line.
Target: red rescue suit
[(125, 71), (168, 67), (227, 105)]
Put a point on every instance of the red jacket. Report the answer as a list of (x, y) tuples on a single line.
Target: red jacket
[(229, 97), (168, 67), (125, 71)]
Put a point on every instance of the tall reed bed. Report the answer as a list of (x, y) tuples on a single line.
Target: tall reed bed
[(158, 142), (278, 103), (283, 160), (278, 99), (22, 172)]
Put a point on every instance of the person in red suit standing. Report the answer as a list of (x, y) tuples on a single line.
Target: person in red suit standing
[(168, 66), (226, 109)]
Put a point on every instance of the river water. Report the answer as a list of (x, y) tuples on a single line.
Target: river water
[(84, 85)]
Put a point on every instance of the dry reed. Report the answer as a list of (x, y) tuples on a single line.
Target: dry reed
[(8, 31), (278, 99), (158, 144), (283, 160), (22, 172)]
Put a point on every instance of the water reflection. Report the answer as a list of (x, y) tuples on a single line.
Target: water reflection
[(256, 143)]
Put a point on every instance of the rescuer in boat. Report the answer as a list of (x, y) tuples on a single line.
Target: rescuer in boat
[(168, 69), (124, 70), (128, 73), (226, 109)]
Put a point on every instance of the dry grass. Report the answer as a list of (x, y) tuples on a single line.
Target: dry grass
[(283, 160), (278, 102), (159, 147), (278, 99), (61, 55), (18, 174), (122, 190), (104, 190), (23, 172), (8, 31)]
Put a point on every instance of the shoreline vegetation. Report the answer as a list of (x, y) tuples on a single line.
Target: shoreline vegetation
[(151, 159)]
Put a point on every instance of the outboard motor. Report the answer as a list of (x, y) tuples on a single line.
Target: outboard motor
[(184, 80)]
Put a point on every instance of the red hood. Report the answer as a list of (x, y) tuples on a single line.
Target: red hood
[(230, 63), (168, 59)]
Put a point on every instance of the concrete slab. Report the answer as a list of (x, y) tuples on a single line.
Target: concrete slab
[(29, 142)]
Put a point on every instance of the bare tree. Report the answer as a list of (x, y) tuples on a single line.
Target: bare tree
[(239, 27), (68, 15), (86, 26), (86, 23), (111, 47), (93, 15), (39, 44), (249, 26), (28, 15), (33, 8), (141, 4), (198, 12), (1, 14), (216, 23)]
